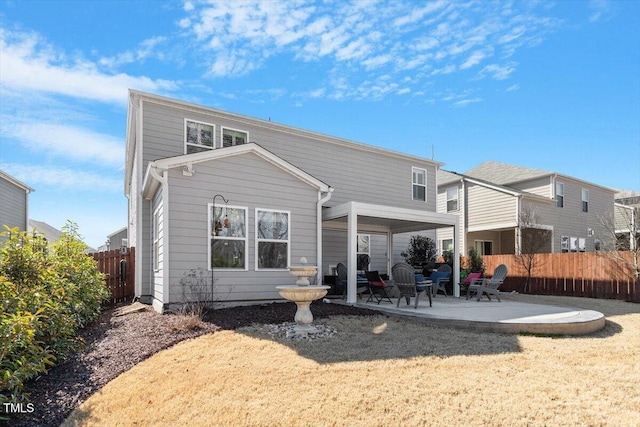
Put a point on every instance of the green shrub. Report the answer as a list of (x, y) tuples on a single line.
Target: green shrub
[(47, 292)]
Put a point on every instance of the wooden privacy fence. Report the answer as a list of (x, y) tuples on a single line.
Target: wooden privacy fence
[(582, 274), (119, 268)]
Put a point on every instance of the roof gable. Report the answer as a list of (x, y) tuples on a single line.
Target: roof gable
[(188, 160)]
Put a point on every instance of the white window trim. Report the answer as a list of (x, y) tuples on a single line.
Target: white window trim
[(213, 135), (582, 194), (561, 184), (414, 169), (155, 238), (258, 240), (210, 237), (442, 245), (222, 129), (457, 198)]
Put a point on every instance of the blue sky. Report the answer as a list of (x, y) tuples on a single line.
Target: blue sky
[(541, 84)]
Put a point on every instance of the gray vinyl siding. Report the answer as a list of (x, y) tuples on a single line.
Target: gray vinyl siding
[(246, 181), (490, 208), (13, 206), (355, 172), (334, 247), (158, 275), (570, 220), (539, 186)]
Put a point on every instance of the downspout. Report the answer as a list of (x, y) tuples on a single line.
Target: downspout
[(321, 201)]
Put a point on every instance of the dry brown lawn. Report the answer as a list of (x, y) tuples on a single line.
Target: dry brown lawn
[(381, 371)]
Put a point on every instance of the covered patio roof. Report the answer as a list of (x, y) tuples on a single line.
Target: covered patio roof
[(355, 216)]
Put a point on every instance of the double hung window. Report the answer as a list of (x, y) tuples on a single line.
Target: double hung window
[(228, 248), (198, 136), (452, 199), (559, 194), (585, 200), (419, 180), (273, 239)]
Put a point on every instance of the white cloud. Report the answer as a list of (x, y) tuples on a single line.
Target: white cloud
[(30, 64), (63, 178), (68, 141), (365, 40), (497, 71), (465, 102)]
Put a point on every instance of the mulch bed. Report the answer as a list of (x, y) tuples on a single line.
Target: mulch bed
[(115, 344)]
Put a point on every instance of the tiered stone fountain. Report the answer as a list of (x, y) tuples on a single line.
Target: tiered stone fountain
[(303, 294)]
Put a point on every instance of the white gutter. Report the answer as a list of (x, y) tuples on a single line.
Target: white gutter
[(321, 201)]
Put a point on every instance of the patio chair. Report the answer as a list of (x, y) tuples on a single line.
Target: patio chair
[(341, 280), (378, 288), (490, 286), (404, 278), (439, 280), (471, 279)]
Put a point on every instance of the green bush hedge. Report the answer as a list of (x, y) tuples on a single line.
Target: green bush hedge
[(47, 293)]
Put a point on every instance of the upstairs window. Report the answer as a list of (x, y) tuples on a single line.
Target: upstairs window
[(273, 239), (231, 137), (198, 136), (419, 180), (585, 200), (559, 194), (452, 199)]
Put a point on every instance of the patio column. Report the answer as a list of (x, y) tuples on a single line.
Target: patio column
[(352, 248), (456, 258)]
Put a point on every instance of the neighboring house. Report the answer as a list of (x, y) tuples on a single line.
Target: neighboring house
[(116, 240), (493, 198), (14, 203), (246, 198), (626, 217), (51, 233)]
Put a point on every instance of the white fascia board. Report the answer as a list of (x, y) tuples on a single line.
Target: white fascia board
[(150, 184), (130, 142), (388, 212), (492, 227), (15, 182), (494, 187), (221, 153)]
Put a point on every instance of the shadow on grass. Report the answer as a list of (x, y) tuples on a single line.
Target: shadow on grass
[(379, 337)]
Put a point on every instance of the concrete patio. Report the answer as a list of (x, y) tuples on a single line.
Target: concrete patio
[(493, 316)]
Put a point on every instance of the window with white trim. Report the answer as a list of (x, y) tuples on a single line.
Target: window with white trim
[(231, 137), (419, 181), (228, 237), (452, 199), (446, 245), (564, 243), (273, 239), (156, 239), (585, 200), (198, 136), (559, 194), (363, 251)]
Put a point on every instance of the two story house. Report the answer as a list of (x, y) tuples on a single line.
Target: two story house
[(244, 199), (14, 203), (493, 198)]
